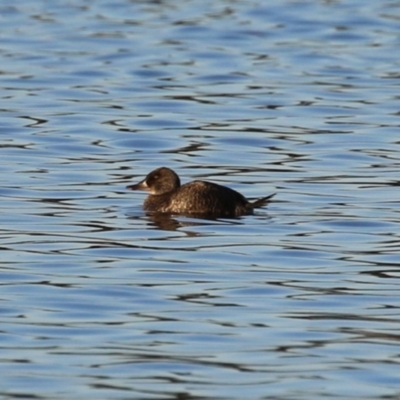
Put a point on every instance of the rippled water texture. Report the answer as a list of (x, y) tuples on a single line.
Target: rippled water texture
[(300, 300)]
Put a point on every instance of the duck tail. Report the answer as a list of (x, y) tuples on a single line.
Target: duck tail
[(263, 201)]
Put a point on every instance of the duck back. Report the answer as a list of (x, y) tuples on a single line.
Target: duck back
[(199, 197)]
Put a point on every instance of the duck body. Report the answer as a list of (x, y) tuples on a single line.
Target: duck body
[(201, 198)]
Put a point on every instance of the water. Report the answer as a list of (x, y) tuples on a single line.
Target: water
[(299, 301)]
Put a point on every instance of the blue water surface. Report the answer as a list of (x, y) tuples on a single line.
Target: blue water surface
[(300, 300)]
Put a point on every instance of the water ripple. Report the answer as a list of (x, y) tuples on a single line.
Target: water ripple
[(99, 300)]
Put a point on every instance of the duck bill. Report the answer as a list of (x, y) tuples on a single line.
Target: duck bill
[(138, 186)]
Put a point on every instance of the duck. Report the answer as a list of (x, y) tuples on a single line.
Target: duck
[(197, 198)]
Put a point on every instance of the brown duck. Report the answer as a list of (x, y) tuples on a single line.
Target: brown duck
[(193, 198)]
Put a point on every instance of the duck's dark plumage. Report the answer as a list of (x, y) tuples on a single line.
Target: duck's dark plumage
[(193, 198)]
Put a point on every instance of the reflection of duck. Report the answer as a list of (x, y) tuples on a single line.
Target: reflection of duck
[(167, 223), (193, 198)]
